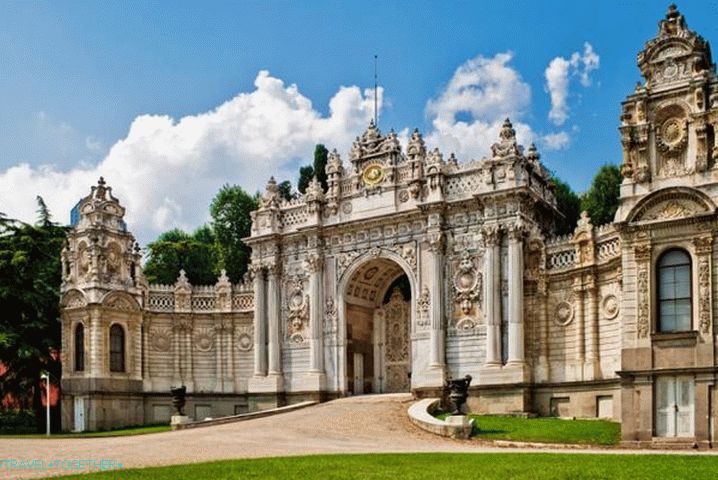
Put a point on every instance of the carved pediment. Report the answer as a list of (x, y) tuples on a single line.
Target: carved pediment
[(673, 204), (120, 302), (73, 299)]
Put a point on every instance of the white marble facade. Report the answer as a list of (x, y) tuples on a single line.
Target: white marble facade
[(412, 267)]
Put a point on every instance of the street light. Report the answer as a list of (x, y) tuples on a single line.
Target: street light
[(46, 377)]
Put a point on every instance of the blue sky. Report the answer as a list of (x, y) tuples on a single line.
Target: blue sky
[(79, 78)]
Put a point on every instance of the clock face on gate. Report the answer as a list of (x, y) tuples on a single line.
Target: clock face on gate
[(373, 174)]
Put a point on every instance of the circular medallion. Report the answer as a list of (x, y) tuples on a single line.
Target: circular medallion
[(204, 342), (373, 174), (672, 131), (670, 70), (160, 342), (564, 313), (244, 342), (610, 306)]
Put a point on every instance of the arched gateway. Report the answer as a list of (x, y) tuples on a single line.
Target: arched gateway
[(376, 296)]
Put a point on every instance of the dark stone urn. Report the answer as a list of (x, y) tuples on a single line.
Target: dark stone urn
[(178, 398), (458, 390)]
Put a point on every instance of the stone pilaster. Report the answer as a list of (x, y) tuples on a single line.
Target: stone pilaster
[(437, 333), (95, 354), (274, 353), (516, 295), (592, 365), (315, 380), (580, 328), (260, 322), (492, 297)]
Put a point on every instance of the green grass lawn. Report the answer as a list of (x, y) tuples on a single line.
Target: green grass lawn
[(545, 430), (141, 430), (438, 466)]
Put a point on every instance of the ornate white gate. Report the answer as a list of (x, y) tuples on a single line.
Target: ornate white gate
[(397, 353)]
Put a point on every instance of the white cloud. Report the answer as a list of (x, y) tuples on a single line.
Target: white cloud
[(558, 75), (556, 141), (165, 171), (486, 90)]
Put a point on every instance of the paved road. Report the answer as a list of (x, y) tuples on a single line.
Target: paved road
[(364, 424)]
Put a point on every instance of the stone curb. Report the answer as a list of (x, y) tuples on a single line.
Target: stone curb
[(420, 415), (244, 416)]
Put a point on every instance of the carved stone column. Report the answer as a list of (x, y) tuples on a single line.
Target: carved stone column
[(704, 247), (642, 254), (579, 321), (96, 355), (437, 333), (176, 355), (219, 350), (273, 320), (260, 322), (516, 295), (591, 368), (542, 295), (316, 312), (492, 297)]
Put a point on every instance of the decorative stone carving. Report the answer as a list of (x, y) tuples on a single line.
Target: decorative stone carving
[(407, 252), (331, 317), (183, 293), (704, 294), (643, 310), (224, 292), (298, 309), (564, 313), (467, 284), (244, 338), (507, 144), (204, 339), (610, 306), (161, 339), (423, 303)]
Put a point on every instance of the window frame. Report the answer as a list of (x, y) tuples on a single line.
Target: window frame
[(114, 368), (659, 327), (79, 350)]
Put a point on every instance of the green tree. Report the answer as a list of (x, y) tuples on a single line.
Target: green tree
[(30, 275), (231, 221), (177, 250), (601, 200), (285, 190), (306, 173), (568, 203), (320, 164)]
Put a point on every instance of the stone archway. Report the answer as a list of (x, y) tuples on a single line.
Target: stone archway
[(377, 298)]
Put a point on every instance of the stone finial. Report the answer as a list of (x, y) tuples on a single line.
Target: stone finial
[(182, 280), (271, 194), (391, 142), (416, 147), (314, 192), (507, 144), (334, 162), (223, 278)]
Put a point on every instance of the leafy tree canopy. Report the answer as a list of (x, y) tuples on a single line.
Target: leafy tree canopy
[(306, 173), (177, 250), (569, 204), (231, 221), (30, 276), (321, 154), (601, 200)]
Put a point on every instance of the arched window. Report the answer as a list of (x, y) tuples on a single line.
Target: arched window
[(79, 347), (117, 348), (674, 291)]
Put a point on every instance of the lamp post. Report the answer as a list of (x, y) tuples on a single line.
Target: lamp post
[(46, 377)]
